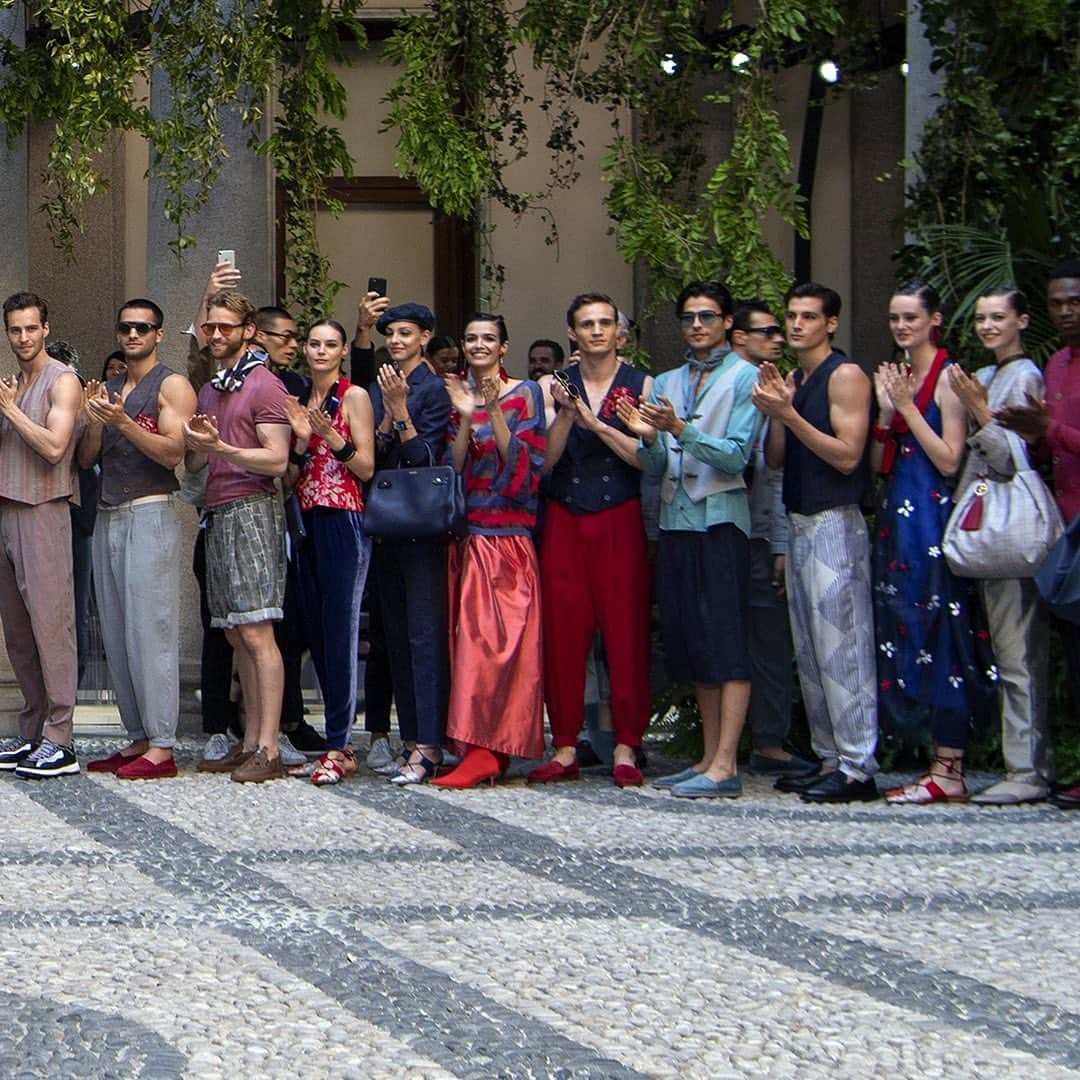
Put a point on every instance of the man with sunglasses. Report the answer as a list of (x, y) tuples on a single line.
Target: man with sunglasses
[(134, 432), (757, 337), (241, 431), (39, 409), (697, 432)]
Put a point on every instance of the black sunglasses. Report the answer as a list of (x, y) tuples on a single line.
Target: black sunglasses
[(765, 331), (140, 328), (562, 379)]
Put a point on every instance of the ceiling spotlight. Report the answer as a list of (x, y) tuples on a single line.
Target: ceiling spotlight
[(669, 65), (828, 70)]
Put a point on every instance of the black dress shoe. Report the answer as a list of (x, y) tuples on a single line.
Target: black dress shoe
[(838, 788), (798, 784)]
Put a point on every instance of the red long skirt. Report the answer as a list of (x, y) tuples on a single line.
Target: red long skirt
[(496, 664)]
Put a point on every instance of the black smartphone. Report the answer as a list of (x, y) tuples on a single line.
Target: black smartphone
[(377, 285)]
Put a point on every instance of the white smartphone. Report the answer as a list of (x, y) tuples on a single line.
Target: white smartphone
[(227, 256)]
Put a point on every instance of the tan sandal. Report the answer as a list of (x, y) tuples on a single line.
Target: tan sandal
[(334, 766)]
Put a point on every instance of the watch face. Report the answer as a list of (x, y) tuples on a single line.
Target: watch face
[(400, 425)]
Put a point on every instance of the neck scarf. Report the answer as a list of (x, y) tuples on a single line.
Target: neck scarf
[(899, 425), (229, 380)]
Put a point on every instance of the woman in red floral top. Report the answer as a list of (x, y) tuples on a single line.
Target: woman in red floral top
[(333, 452), (497, 441)]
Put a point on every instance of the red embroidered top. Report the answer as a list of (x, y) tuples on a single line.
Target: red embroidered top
[(324, 481)]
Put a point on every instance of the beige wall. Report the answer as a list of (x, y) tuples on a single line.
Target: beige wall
[(542, 278)]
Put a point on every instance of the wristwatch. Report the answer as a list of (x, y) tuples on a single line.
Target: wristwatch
[(399, 425)]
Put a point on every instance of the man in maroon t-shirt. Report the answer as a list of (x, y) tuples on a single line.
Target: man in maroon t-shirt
[(241, 430)]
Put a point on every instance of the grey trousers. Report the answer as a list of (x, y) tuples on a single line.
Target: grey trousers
[(1020, 634), (37, 605), (832, 626), (137, 583), (770, 654)]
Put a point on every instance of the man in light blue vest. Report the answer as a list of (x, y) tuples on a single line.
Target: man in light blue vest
[(697, 431)]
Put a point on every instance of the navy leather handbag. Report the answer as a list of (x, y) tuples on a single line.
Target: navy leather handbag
[(413, 502)]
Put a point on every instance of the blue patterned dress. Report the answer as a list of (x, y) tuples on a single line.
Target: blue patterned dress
[(931, 679)]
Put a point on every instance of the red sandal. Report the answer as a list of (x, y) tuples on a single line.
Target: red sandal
[(926, 790), (333, 767)]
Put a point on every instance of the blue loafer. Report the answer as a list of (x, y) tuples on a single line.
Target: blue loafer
[(701, 787), (669, 781)]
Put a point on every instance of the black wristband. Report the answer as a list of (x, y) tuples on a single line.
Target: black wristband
[(297, 459), (346, 453)]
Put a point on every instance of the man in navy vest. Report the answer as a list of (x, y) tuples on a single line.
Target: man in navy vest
[(593, 559), (820, 419), (135, 431)]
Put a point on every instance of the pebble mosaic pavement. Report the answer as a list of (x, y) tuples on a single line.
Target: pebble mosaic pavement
[(193, 927)]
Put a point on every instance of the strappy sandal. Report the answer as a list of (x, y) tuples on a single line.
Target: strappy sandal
[(418, 768), (333, 767), (926, 790)]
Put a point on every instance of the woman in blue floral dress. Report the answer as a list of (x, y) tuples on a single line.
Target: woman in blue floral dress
[(928, 677)]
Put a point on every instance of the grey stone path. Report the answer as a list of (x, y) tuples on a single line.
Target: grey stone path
[(194, 927)]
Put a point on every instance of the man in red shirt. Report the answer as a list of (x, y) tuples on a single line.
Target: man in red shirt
[(1053, 427)]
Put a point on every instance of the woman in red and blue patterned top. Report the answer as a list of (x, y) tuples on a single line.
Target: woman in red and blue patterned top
[(333, 452), (497, 441)]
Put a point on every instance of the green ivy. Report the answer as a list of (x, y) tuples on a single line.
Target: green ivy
[(83, 58), (998, 198)]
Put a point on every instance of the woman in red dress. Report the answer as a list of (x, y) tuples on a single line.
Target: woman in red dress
[(496, 684)]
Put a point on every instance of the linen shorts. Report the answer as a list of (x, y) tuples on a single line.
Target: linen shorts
[(245, 561)]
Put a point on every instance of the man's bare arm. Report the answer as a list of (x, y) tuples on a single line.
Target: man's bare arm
[(51, 439)]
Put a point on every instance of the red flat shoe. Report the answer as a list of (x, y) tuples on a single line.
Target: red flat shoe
[(143, 768), (111, 763), (627, 776), (553, 772)]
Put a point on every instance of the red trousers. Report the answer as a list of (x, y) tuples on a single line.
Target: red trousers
[(594, 571)]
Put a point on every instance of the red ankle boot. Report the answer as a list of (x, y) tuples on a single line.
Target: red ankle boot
[(478, 765)]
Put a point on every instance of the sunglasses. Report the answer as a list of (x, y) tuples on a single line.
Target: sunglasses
[(706, 318), (225, 328), (140, 328), (766, 331), (561, 378)]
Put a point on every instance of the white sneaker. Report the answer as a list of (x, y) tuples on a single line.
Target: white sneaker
[(217, 746), (381, 758), (289, 754)]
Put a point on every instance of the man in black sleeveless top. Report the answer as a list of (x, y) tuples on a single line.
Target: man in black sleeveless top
[(820, 418), (134, 431)]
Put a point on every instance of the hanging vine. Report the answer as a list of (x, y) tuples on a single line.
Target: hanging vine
[(83, 60)]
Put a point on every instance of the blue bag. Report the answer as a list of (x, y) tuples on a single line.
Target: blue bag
[(1058, 580)]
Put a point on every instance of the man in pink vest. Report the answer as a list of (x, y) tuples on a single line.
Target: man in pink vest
[(39, 412)]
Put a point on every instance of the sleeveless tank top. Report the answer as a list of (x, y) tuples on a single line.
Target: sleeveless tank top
[(126, 472), (810, 484), (324, 481), (25, 476)]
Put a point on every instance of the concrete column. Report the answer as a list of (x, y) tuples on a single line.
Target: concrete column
[(237, 216), (14, 242), (877, 210), (921, 87)]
